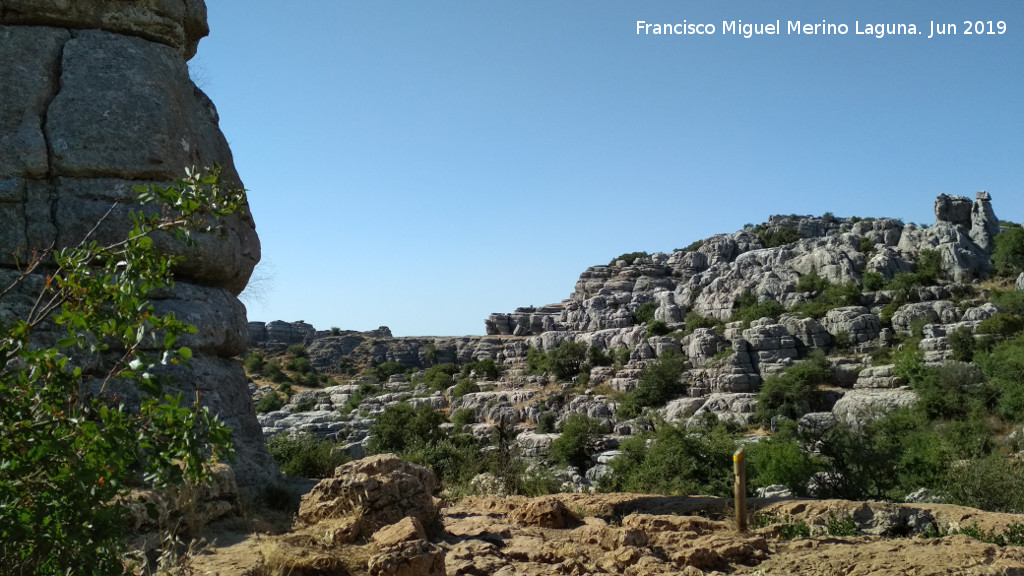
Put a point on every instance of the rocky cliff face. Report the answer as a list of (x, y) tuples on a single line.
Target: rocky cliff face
[(788, 262), (97, 99), (710, 277)]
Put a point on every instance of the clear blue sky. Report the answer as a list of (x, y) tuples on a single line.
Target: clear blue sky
[(423, 164)]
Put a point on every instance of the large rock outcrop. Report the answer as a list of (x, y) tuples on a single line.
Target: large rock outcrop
[(97, 99)]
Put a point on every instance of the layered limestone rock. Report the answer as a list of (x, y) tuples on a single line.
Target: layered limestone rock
[(98, 100)]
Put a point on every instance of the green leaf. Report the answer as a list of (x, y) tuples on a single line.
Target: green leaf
[(185, 352)]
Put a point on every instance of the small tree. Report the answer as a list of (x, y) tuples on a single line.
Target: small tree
[(70, 445)]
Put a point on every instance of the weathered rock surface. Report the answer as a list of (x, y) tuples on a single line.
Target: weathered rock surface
[(370, 494), (98, 100)]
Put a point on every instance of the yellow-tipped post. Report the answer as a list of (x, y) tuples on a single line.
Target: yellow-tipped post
[(739, 466)]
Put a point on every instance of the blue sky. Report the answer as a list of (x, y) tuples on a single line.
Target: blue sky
[(423, 164)]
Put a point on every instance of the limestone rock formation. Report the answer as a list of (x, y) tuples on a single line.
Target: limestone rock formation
[(97, 99), (370, 494)]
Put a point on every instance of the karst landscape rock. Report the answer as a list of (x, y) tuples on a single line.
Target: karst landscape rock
[(100, 101), (97, 99)]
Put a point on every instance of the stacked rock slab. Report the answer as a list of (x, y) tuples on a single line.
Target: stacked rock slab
[(96, 99)]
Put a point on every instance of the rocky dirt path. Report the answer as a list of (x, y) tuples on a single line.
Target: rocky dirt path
[(636, 535)]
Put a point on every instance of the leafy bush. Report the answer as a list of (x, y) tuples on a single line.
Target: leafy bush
[(576, 444), (1009, 301), (866, 245), (486, 368), (1002, 325), (269, 403), (463, 417), (812, 282), (1008, 254), (74, 442), (793, 392), (304, 454), (779, 236), (645, 313), (962, 344), (598, 357), (546, 422), (657, 328), (439, 377), (674, 461), (297, 351), (695, 320), (629, 258), (254, 363), (465, 386), (568, 359), (659, 382), (928, 268), (386, 370), (536, 361), (300, 364), (872, 281), (401, 427), (779, 459), (766, 309)]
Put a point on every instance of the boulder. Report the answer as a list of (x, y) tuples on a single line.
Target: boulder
[(858, 407), (371, 493)]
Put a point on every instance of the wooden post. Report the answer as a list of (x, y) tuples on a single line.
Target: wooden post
[(740, 489)]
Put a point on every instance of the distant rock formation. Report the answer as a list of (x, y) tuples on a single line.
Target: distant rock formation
[(710, 277), (97, 99)]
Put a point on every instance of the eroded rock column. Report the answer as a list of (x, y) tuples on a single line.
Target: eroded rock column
[(96, 99)]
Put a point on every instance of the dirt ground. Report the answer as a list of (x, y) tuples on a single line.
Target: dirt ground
[(641, 534)]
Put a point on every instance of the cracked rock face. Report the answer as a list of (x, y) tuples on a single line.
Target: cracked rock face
[(97, 99)]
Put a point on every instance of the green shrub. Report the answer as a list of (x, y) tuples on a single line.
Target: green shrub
[(962, 344), (779, 459), (254, 363), (1008, 254), (486, 368), (659, 382), (300, 365), (303, 454), (269, 403), (546, 422), (464, 386), (567, 360), (780, 236), (812, 282), (621, 356), (989, 482), (657, 328), (629, 258), (1009, 301), (598, 357), (928, 268), (747, 309), (439, 377), (866, 245), (1002, 325), (463, 417), (645, 313), (297, 351), (695, 320), (575, 446), (794, 392), (386, 370), (272, 369), (401, 427), (872, 281), (675, 461), (71, 452)]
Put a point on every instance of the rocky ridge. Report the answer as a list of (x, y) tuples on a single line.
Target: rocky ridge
[(727, 363)]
